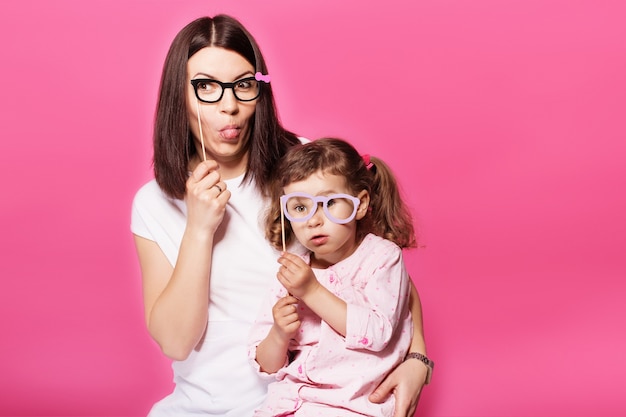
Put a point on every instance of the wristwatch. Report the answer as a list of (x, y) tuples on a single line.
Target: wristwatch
[(430, 365)]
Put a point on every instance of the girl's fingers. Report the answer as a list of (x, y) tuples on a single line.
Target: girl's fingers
[(292, 300), (286, 300), (291, 261)]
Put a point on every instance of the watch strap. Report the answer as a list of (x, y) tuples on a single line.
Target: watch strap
[(430, 365)]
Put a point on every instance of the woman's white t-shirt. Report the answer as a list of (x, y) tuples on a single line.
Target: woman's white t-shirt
[(217, 379)]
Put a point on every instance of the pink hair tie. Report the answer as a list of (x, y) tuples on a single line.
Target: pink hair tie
[(367, 161)]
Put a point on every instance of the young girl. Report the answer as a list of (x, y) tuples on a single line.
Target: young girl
[(340, 319)]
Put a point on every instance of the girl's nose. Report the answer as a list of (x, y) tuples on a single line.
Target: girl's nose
[(317, 218)]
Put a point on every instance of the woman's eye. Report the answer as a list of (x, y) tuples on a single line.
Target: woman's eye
[(243, 85), (206, 86)]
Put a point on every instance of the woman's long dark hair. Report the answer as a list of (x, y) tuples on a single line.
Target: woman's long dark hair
[(173, 140)]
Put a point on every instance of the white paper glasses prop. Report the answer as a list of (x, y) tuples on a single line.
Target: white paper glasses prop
[(300, 207)]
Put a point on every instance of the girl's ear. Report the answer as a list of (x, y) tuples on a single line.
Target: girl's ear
[(361, 211)]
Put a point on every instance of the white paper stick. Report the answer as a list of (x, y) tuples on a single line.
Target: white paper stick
[(282, 226), (200, 128)]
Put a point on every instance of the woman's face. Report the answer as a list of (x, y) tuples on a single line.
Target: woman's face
[(226, 123)]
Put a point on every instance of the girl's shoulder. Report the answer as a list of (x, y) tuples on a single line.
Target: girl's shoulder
[(373, 251), (373, 242)]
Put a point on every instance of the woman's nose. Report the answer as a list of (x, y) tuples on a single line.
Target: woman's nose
[(229, 103)]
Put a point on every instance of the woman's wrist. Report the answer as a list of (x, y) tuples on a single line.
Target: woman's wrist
[(430, 365)]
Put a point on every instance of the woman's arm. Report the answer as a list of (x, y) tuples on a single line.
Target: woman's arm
[(176, 298), (175, 301), (408, 378)]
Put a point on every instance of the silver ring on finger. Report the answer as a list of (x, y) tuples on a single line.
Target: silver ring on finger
[(219, 188)]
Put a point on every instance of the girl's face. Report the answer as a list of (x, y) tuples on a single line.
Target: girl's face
[(226, 123), (330, 242)]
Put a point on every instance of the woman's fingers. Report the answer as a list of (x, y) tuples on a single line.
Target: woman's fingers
[(205, 181), (206, 197), (203, 169)]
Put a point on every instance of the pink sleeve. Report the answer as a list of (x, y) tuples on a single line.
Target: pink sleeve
[(370, 325)]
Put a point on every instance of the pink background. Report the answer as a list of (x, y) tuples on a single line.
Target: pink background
[(505, 121)]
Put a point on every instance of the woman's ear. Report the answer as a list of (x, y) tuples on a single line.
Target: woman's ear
[(361, 211)]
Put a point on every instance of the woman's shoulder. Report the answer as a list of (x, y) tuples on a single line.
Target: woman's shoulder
[(150, 194), (151, 208), (148, 191)]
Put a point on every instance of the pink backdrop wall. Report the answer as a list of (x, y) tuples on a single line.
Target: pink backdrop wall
[(505, 121)]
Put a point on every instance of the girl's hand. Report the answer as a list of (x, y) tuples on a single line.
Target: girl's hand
[(206, 198), (286, 319), (296, 276)]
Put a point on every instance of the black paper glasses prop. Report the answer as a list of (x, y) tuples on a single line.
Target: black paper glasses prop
[(211, 91), (208, 90)]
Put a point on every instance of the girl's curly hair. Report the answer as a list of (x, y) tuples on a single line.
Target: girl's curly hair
[(388, 215)]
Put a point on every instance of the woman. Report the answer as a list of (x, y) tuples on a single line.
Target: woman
[(197, 225)]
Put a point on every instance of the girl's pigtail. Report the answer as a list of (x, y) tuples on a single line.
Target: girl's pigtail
[(391, 218)]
